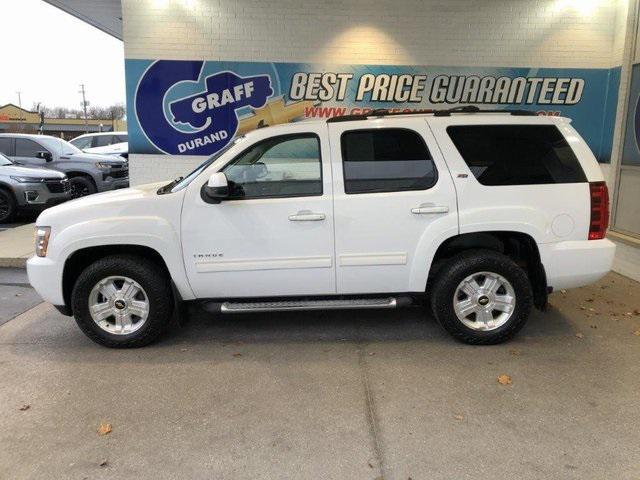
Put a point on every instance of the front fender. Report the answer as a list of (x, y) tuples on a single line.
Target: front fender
[(148, 231)]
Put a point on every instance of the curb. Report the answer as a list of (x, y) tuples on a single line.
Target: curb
[(13, 262)]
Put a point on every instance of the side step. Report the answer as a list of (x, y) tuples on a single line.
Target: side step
[(292, 305)]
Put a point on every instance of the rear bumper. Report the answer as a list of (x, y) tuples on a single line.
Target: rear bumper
[(576, 263)]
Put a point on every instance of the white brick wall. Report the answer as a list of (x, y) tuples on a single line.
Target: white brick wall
[(544, 33)]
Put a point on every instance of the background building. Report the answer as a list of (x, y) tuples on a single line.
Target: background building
[(173, 47), (18, 120)]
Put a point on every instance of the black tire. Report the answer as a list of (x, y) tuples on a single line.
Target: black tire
[(8, 206), (153, 280), (81, 187), (455, 270)]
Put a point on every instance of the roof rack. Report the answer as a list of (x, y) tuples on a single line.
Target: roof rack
[(383, 112)]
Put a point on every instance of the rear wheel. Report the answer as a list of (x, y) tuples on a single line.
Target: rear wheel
[(7, 206), (122, 301), (481, 297), (81, 187)]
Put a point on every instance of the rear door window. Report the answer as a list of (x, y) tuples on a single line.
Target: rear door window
[(517, 154), (386, 160)]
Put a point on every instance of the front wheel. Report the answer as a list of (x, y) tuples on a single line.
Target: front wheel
[(81, 187), (7, 206), (122, 301), (481, 297)]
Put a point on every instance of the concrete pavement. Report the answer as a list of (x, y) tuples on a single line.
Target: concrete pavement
[(16, 246), (350, 395)]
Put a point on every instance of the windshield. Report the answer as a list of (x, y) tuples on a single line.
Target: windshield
[(4, 161), (60, 145), (189, 178)]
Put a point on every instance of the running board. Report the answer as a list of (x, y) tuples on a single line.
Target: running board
[(292, 305)]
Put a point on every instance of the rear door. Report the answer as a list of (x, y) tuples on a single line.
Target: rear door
[(515, 174), (394, 202)]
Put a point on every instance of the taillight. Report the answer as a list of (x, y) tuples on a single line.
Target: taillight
[(599, 194)]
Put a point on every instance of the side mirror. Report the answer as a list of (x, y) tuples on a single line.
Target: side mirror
[(216, 189), (44, 155)]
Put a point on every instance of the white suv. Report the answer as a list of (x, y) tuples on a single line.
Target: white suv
[(479, 214)]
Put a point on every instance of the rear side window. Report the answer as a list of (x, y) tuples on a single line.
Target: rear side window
[(386, 160), (517, 154), (5, 145)]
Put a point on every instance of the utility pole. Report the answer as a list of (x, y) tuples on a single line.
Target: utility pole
[(84, 107), (19, 99)]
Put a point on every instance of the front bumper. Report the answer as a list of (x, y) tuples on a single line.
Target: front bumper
[(38, 196), (46, 279), (574, 264)]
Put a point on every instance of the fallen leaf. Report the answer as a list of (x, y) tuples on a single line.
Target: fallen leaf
[(636, 311), (504, 379), (592, 309), (237, 354), (637, 333), (372, 353), (183, 349), (582, 308), (515, 352), (104, 428), (25, 407), (104, 462), (580, 335), (370, 464), (628, 314), (459, 417), (564, 292), (589, 300)]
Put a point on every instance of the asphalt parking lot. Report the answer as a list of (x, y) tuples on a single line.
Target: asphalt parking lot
[(350, 395)]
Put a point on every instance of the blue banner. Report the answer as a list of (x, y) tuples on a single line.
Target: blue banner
[(197, 107)]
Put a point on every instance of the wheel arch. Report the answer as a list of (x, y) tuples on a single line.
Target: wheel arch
[(82, 258), (519, 246)]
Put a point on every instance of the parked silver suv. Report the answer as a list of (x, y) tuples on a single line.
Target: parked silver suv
[(29, 189), (88, 173)]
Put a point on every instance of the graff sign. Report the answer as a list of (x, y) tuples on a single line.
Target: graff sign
[(197, 107)]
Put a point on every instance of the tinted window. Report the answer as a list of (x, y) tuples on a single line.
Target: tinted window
[(5, 145), (517, 154), (82, 143), (287, 166), (386, 160), (120, 138), (103, 140), (27, 148)]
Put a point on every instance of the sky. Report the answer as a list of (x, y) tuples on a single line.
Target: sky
[(47, 53)]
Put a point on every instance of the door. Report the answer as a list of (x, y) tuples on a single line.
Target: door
[(274, 236), (394, 203), (26, 151)]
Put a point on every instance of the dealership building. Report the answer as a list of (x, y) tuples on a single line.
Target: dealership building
[(199, 72)]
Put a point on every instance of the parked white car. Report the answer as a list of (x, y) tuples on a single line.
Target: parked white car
[(109, 143), (479, 214)]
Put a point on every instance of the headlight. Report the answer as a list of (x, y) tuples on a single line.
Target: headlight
[(104, 165), (42, 240), (27, 179)]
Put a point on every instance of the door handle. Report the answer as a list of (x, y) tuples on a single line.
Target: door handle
[(426, 208), (306, 216)]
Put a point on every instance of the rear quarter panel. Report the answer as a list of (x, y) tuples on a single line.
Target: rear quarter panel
[(548, 213)]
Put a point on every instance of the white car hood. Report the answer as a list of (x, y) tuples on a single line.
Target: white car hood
[(107, 204)]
